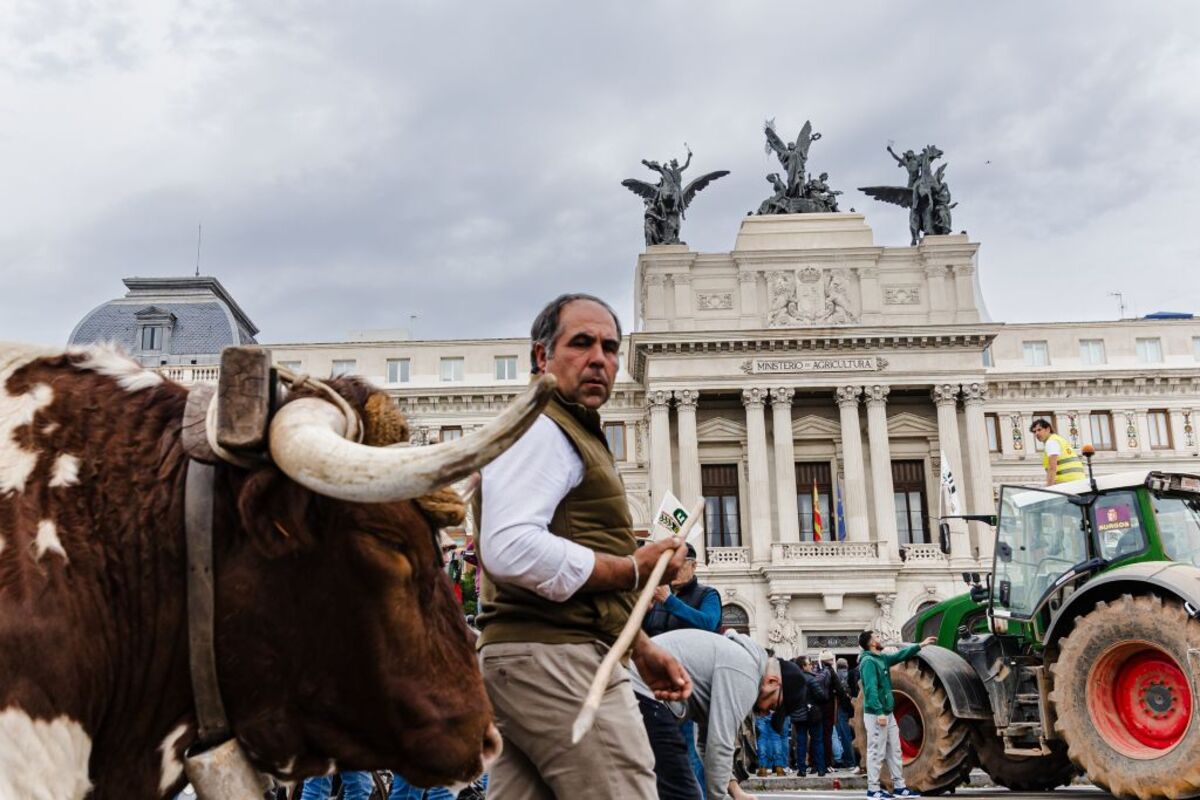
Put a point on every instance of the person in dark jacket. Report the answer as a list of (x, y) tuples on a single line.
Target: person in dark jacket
[(837, 696), (845, 712), (806, 720), (687, 604)]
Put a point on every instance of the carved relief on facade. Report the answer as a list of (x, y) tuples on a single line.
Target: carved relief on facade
[(783, 635), (1189, 433), (809, 296), (1018, 436), (885, 623), (1131, 430), (1073, 428), (902, 296), (719, 301)]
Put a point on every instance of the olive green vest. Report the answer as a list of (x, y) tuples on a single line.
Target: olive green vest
[(594, 514)]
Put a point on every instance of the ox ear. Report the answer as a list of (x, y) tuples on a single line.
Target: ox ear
[(274, 511)]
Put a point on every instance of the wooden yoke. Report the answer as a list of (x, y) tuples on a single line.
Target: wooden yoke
[(245, 398)]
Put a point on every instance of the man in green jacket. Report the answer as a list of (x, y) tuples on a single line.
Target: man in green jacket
[(883, 735)]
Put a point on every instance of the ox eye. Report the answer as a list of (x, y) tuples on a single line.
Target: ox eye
[(391, 543)]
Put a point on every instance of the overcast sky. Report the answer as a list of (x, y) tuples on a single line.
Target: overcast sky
[(357, 163)]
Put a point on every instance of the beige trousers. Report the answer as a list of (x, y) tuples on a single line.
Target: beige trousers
[(536, 691)]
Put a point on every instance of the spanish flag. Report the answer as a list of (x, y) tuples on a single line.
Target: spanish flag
[(816, 514)]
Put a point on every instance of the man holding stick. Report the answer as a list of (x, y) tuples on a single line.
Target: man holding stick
[(560, 574)]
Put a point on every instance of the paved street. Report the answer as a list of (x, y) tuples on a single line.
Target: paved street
[(1075, 793)]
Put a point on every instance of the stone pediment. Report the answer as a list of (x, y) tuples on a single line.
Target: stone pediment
[(721, 429), (811, 426), (908, 424)]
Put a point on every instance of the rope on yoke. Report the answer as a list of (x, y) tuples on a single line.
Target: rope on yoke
[(354, 428)]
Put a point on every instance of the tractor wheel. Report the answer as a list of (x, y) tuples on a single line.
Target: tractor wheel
[(1124, 699), (1021, 773), (935, 746)]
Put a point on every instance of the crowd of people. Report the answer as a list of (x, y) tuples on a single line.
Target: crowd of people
[(560, 568), (818, 736)]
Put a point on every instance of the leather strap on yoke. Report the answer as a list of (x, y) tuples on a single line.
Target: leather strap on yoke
[(198, 521)]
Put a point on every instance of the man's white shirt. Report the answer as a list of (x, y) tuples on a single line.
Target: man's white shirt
[(521, 489), (1052, 448)]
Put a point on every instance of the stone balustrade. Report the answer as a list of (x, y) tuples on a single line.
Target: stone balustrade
[(924, 555), (189, 375), (815, 552), (728, 557)]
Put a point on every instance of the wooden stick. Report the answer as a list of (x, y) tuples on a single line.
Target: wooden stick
[(587, 714)]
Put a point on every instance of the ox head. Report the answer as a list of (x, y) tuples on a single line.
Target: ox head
[(340, 641)]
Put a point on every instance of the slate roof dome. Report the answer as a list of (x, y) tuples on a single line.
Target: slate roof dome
[(169, 321)]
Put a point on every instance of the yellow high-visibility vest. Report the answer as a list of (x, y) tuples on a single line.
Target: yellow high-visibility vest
[(1070, 465)]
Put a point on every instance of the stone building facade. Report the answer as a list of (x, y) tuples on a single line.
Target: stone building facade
[(810, 363)]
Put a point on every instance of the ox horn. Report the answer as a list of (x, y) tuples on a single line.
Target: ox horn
[(308, 443)]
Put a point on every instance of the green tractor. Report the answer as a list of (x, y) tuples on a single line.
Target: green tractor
[(1080, 652)]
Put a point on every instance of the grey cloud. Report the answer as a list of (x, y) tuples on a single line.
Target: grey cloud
[(462, 162)]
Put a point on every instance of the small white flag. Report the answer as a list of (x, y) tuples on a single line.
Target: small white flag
[(670, 518), (949, 489)]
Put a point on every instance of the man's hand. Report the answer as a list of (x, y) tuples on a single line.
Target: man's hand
[(881, 720), (647, 556), (929, 641), (661, 593), (665, 676), (735, 791), (615, 573)]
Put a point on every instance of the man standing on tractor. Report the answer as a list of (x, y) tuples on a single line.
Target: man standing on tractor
[(883, 734), (1061, 461)]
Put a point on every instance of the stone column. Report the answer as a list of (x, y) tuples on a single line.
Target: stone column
[(759, 489), (1007, 448), (881, 472), (689, 447), (656, 297), (964, 290), (1125, 433), (1143, 426), (858, 525), (974, 398), (945, 397), (659, 403), (872, 301), (1178, 439), (785, 465), (939, 307), (748, 297), (685, 317)]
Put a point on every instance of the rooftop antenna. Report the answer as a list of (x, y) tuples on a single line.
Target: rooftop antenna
[(199, 230), (1120, 303)]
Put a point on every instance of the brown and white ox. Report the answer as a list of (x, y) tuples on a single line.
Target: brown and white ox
[(338, 640)]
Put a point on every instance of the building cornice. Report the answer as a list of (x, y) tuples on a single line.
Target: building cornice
[(805, 340)]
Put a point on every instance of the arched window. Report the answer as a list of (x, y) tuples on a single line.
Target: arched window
[(925, 606), (735, 617)]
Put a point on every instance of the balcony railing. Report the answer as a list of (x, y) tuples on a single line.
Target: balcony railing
[(189, 375), (823, 552), (728, 557), (924, 555)]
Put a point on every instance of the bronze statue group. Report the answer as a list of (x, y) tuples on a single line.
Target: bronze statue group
[(926, 195)]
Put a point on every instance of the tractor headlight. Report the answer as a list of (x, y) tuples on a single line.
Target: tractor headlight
[(998, 624)]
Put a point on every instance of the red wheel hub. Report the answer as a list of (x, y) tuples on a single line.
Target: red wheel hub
[(1140, 699), (912, 728)]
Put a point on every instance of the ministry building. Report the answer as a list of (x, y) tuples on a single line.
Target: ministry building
[(809, 384)]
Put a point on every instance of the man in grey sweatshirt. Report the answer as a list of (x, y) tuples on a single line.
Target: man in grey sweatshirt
[(731, 678)]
